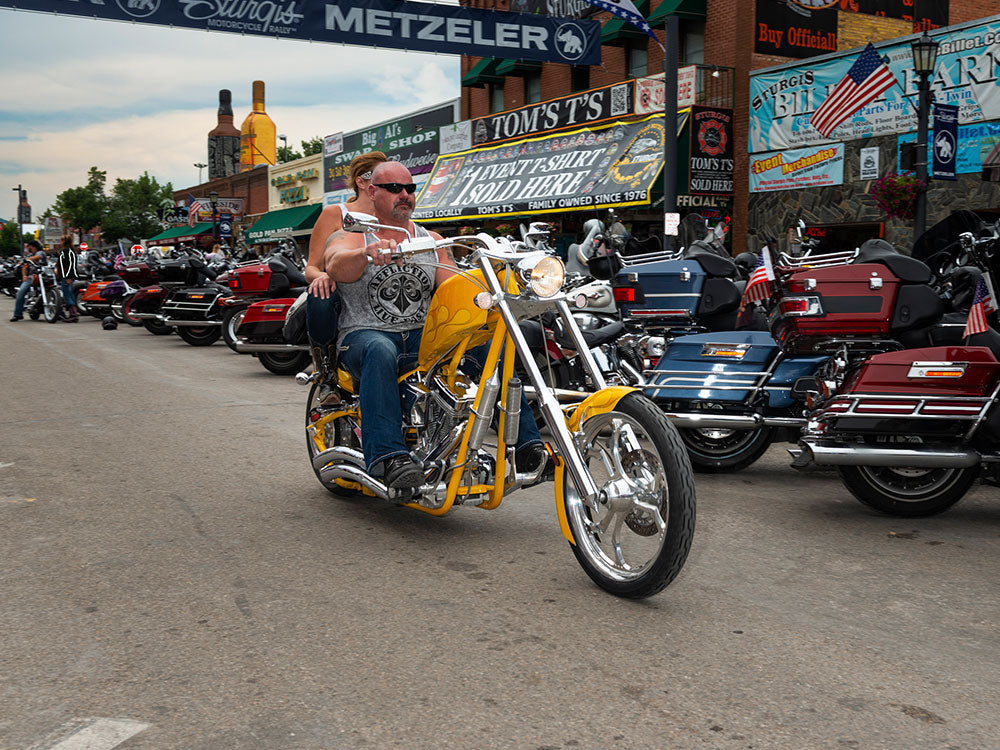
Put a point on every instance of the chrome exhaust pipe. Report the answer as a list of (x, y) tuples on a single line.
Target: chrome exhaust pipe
[(706, 419), (245, 347), (350, 465), (188, 323), (341, 454), (834, 453)]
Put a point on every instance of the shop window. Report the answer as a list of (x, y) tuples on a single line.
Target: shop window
[(496, 97), (580, 77), (533, 88), (635, 60), (693, 42)]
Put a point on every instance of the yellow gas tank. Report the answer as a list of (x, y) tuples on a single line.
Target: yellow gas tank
[(453, 316)]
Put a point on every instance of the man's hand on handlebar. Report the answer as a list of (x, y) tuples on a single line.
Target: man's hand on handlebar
[(380, 252)]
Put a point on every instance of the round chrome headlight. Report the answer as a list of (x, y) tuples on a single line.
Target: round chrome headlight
[(547, 276)]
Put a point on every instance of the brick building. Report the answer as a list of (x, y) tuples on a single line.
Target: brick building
[(727, 34)]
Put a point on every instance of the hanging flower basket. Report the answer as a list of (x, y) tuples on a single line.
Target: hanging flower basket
[(505, 230), (896, 194)]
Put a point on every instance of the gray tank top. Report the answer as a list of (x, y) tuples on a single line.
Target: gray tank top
[(391, 297)]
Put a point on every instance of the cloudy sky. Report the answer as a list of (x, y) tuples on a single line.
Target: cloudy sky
[(128, 98)]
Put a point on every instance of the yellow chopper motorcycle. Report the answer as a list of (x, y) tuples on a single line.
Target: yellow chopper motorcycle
[(624, 488)]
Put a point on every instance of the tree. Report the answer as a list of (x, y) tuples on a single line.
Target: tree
[(132, 208), (8, 239), (287, 154), (84, 206), (312, 146)]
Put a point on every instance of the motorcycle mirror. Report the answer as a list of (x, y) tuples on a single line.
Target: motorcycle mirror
[(359, 222)]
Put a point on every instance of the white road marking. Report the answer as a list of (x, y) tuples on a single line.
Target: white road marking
[(4, 466), (96, 734)]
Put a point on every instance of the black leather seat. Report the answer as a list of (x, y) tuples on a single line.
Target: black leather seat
[(908, 270)]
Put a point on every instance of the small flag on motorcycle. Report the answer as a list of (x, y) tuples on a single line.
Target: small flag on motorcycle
[(758, 286), (977, 313)]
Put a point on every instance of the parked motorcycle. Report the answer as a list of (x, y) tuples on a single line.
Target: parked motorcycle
[(732, 393), (44, 299), (275, 276), (624, 489), (274, 331), (193, 307), (910, 431)]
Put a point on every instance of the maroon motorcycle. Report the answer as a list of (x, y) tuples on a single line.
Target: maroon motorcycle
[(911, 431)]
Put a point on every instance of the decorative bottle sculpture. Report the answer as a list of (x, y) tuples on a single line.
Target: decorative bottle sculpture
[(224, 141), (257, 136)]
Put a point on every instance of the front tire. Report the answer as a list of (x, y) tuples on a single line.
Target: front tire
[(905, 492), (230, 322), (199, 336), (284, 363), (713, 450), (54, 303), (634, 541)]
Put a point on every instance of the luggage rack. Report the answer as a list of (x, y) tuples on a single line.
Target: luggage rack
[(817, 261)]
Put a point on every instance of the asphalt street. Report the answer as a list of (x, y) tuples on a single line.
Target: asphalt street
[(172, 576)]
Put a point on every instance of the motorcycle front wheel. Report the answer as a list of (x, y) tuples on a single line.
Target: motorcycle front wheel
[(908, 492), (634, 540), (719, 449), (53, 304)]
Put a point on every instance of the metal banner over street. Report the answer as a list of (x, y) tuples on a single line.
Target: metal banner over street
[(585, 169), (421, 27)]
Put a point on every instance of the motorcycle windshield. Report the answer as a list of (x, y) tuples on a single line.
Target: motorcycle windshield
[(943, 236)]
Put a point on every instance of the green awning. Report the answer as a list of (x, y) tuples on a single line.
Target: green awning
[(183, 233), (617, 32), (273, 225), (517, 67), (689, 9), (483, 72)]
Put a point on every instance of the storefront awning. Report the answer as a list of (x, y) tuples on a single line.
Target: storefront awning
[(688, 9), (184, 233), (614, 164), (274, 225), (518, 67), (483, 72)]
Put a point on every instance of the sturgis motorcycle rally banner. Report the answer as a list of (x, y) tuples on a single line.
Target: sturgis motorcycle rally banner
[(613, 165)]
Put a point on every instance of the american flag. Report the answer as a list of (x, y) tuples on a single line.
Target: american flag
[(977, 313), (194, 206), (758, 286), (867, 78), (626, 10)]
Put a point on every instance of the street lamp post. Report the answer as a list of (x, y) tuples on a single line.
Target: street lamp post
[(214, 196), (20, 229), (200, 167), (284, 146), (924, 56), (670, 55)]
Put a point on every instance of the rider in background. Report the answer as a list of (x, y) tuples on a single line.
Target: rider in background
[(37, 256), (66, 270)]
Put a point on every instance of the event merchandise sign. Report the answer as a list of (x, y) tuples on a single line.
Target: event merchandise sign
[(797, 168), (967, 75), (396, 24), (585, 169)]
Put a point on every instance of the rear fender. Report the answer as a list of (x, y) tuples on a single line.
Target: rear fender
[(603, 401)]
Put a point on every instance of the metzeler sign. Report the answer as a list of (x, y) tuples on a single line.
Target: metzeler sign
[(423, 27), (589, 168), (585, 108)]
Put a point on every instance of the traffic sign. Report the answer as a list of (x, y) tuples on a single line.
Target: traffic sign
[(83, 247)]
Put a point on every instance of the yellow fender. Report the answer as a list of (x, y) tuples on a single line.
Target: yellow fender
[(603, 401)]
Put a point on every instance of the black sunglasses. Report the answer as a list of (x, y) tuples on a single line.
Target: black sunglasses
[(397, 187)]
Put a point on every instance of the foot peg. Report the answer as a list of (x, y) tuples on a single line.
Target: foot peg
[(305, 378)]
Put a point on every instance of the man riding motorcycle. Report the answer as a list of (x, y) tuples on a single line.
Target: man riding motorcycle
[(384, 303)]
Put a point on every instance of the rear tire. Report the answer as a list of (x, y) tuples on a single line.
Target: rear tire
[(714, 450), (230, 322), (635, 542), (127, 315), (285, 363), (157, 328), (199, 336), (908, 493), (338, 431)]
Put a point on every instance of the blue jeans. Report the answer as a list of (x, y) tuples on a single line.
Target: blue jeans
[(322, 317), (67, 290), (22, 292), (375, 359)]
